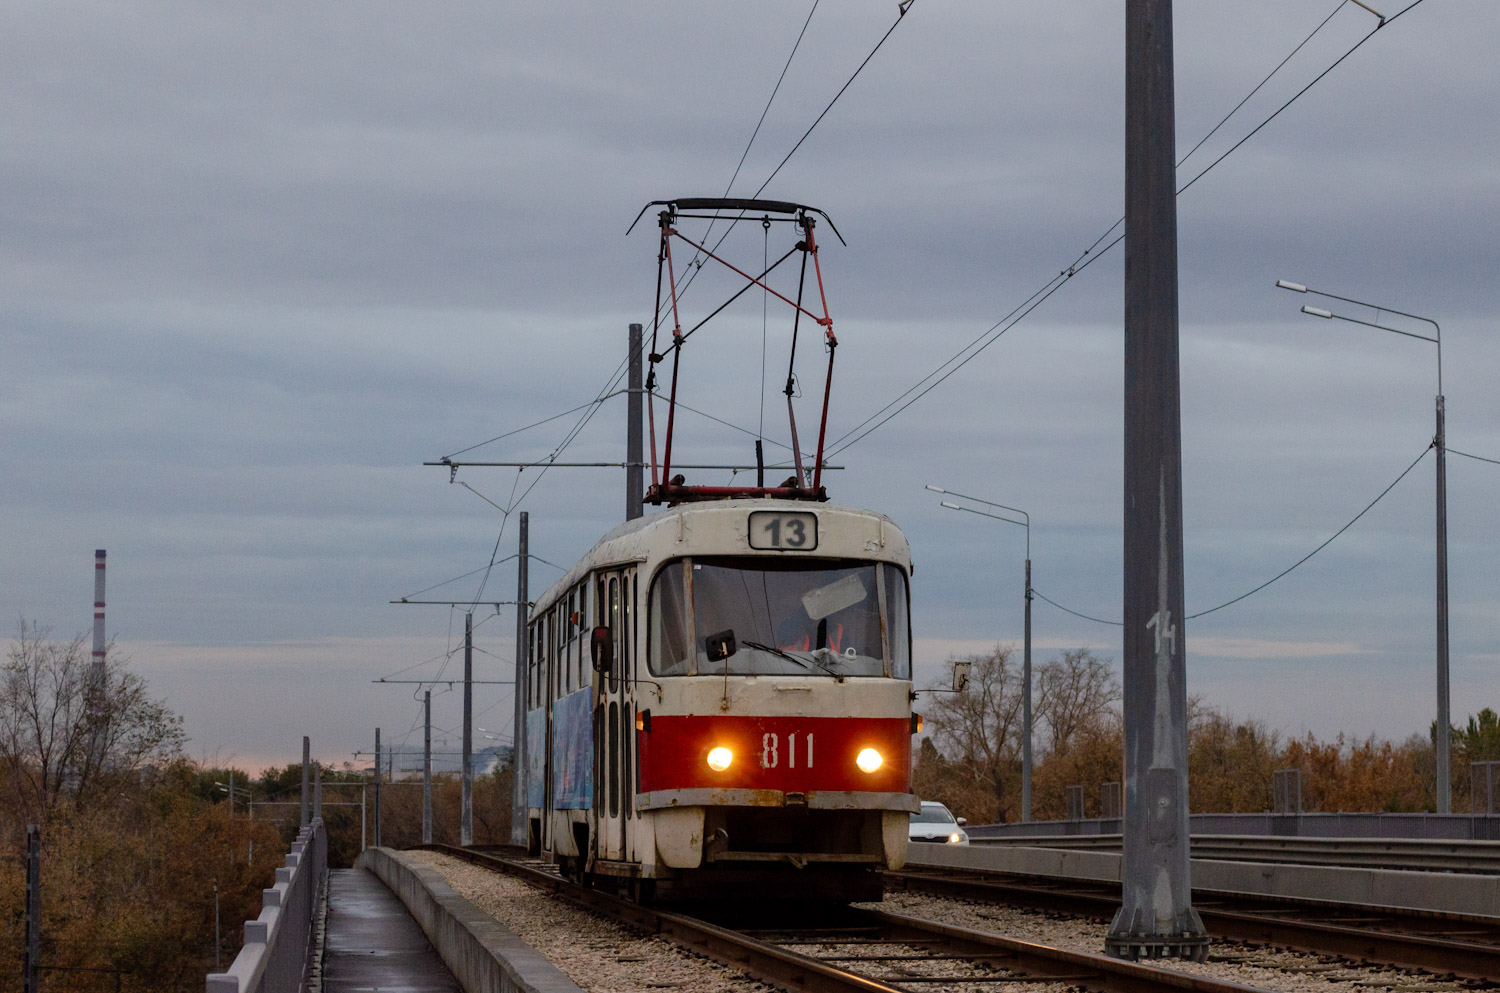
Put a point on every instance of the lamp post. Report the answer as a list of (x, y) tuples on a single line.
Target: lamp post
[(1026, 657), (1444, 732)]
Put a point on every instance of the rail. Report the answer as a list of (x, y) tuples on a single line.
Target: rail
[(278, 943), (771, 957)]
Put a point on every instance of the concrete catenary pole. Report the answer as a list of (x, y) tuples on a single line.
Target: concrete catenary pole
[(518, 726), (427, 767), (375, 829), (1026, 697), (31, 957), (634, 447), (306, 778), (466, 815), (1444, 741), (1156, 918)]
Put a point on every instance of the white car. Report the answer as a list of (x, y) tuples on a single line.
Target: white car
[(937, 824)]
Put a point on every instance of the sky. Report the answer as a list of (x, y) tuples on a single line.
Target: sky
[(261, 262)]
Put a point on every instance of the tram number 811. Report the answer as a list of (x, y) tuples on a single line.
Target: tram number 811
[(771, 752)]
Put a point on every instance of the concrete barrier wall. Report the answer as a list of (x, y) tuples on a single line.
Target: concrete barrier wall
[(1436, 827), (483, 955), (1444, 892), (278, 943)]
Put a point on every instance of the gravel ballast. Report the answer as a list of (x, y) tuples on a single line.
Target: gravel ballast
[(600, 955), (597, 954), (1254, 965)]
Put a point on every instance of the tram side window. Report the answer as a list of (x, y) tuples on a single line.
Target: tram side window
[(898, 632), (627, 631), (669, 651), (616, 628), (552, 651), (575, 621), (583, 634)]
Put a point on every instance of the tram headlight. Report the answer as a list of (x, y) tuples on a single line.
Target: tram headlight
[(868, 760), (719, 758)]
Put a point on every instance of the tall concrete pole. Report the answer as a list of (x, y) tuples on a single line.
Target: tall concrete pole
[(1444, 742), (306, 779), (635, 467), (1156, 918), (375, 830), (1026, 698), (466, 816), (31, 957), (427, 767), (518, 726)]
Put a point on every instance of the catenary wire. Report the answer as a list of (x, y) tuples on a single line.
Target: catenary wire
[(1280, 574), (691, 270), (537, 424), (620, 370), (1480, 458), (766, 110), (1087, 257)]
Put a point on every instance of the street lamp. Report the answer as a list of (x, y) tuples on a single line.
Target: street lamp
[(1026, 658), (1444, 733)]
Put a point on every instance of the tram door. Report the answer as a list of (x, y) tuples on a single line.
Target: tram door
[(614, 718)]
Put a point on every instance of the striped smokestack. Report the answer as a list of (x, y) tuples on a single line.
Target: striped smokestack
[(99, 608)]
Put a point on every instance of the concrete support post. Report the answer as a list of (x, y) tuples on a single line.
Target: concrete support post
[(317, 791), (1444, 741), (1156, 918), (466, 814), (306, 779), (635, 465), (375, 828), (518, 726), (427, 767), (1026, 701), (31, 956)]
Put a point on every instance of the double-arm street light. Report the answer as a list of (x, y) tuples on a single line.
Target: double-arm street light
[(1444, 733), (1026, 658)]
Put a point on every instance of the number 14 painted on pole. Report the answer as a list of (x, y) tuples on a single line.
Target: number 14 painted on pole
[(1171, 630)]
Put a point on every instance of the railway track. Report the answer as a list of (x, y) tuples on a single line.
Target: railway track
[(1420, 855), (852, 949), (1467, 947)]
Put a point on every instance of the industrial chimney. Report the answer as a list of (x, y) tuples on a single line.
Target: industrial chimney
[(98, 613)]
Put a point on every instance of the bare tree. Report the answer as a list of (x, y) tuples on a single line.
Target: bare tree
[(981, 725), (66, 732), (1075, 692)]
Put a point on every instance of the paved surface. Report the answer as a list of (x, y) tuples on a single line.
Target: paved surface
[(372, 943)]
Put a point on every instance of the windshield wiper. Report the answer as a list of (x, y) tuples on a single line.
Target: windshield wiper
[(784, 654)]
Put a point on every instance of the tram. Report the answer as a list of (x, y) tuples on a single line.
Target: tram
[(718, 696), (719, 700)]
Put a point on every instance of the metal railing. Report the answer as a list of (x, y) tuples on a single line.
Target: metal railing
[(278, 944)]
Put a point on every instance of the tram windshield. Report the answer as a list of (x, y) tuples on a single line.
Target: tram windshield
[(788, 617)]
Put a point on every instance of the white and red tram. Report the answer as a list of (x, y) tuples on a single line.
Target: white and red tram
[(718, 700)]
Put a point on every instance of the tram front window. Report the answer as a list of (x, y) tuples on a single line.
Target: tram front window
[(788, 618)]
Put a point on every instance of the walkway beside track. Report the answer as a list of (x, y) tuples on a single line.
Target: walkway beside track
[(372, 943)]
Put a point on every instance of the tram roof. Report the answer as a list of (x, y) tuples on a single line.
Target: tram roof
[(627, 542)]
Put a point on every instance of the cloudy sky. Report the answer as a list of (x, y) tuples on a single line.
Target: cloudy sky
[(262, 261)]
